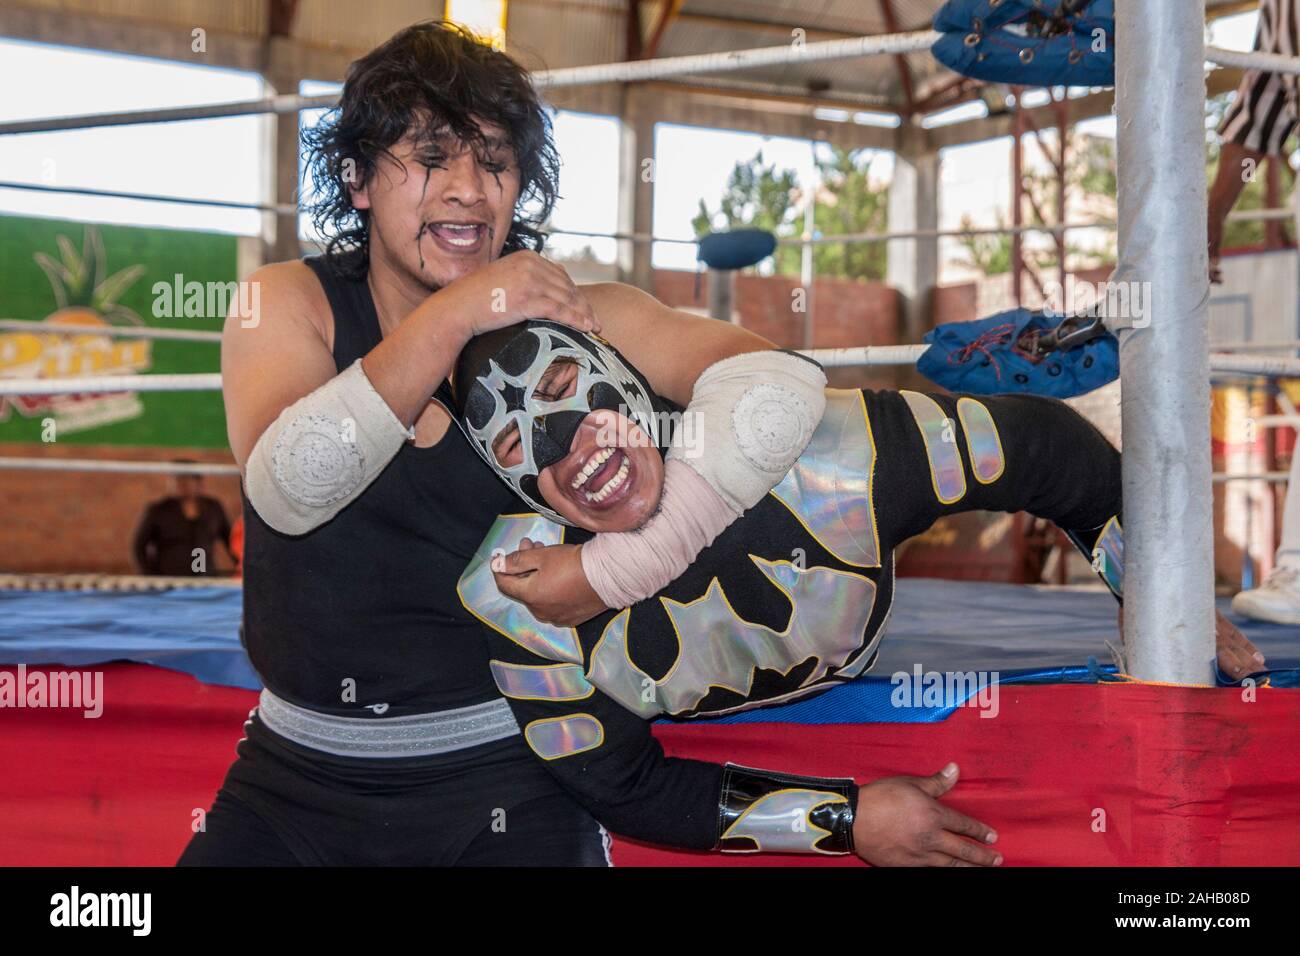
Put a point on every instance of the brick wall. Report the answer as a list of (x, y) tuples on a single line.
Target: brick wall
[(845, 312), (66, 521)]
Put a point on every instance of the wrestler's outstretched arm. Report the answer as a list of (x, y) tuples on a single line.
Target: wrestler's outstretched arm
[(607, 758)]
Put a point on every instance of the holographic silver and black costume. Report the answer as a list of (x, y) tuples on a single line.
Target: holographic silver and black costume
[(788, 601)]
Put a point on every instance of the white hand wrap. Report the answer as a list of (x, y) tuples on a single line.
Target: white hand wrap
[(625, 567), (322, 452), (750, 418)]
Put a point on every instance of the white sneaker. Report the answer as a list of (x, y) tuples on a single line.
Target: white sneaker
[(1276, 600)]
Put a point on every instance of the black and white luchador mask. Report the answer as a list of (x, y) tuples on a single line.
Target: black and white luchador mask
[(504, 392)]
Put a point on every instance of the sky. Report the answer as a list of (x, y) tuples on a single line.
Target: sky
[(222, 159)]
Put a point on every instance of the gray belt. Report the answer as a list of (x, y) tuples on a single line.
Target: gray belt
[(418, 736)]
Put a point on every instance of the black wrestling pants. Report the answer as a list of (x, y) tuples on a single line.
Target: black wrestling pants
[(490, 805)]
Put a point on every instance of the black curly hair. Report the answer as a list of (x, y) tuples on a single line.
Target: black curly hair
[(430, 79)]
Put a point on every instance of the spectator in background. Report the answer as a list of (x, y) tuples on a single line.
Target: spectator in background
[(237, 546), (177, 534), (1261, 118), (1278, 598)]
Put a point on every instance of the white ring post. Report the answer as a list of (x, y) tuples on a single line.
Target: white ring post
[(1164, 355)]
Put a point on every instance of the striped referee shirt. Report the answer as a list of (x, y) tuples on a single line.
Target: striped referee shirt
[(1263, 114)]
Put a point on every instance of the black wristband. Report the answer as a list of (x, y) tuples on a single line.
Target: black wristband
[(767, 811)]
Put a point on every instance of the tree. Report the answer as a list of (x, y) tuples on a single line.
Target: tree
[(849, 203), (1090, 172), (757, 197), (763, 197)]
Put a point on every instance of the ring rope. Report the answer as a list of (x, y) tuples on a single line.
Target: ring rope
[(1253, 60), (116, 331), (95, 384), (119, 466), (110, 582), (621, 72), (156, 467), (1279, 366), (279, 209)]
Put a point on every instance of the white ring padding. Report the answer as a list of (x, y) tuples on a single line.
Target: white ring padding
[(322, 452), (749, 419)]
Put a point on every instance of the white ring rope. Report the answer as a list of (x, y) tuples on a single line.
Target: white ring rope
[(1276, 477), (1253, 60), (119, 467), (168, 468), (622, 72), (625, 72), (281, 209), (95, 384), (111, 582), (1279, 366), (866, 355), (1270, 365), (288, 103), (117, 331)]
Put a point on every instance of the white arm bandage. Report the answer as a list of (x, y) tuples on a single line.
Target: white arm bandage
[(322, 452), (750, 418)]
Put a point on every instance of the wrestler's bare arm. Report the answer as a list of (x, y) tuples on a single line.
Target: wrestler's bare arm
[(670, 347), (285, 353), (276, 357)]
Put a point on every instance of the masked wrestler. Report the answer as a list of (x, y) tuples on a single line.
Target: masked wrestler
[(782, 603)]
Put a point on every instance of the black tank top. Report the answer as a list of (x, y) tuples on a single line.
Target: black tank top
[(368, 600)]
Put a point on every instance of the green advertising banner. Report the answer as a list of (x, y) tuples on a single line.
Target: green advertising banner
[(67, 279)]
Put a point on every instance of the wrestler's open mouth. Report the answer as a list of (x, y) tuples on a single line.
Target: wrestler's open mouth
[(604, 480), (458, 236)]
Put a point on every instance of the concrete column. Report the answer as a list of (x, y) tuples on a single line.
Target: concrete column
[(636, 189), (284, 145), (1164, 344), (913, 264), (722, 293)]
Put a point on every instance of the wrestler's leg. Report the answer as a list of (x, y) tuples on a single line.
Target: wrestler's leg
[(554, 830), (944, 454), (234, 835)]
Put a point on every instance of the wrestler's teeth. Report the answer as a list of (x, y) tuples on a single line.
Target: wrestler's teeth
[(592, 467), (612, 485), (458, 234)]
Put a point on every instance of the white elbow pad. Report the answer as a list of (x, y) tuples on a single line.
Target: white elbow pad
[(750, 418), (322, 452)]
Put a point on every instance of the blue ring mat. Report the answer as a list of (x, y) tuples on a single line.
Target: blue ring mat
[(1026, 634)]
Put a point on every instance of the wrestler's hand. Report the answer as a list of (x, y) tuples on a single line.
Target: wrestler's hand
[(549, 580), (1237, 656), (900, 822), (513, 288)]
